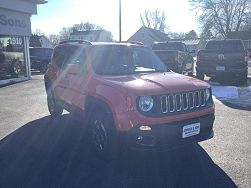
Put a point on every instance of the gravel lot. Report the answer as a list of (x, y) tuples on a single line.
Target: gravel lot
[(37, 151)]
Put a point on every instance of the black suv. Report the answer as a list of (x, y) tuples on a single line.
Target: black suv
[(40, 58)]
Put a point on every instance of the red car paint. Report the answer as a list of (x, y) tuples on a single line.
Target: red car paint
[(120, 92)]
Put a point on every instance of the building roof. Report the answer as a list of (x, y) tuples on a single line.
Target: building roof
[(75, 32), (243, 35), (37, 1), (192, 41), (156, 35)]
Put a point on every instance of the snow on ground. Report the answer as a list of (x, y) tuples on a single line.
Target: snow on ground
[(225, 92), (230, 92)]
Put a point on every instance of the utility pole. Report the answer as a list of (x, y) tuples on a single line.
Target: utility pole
[(119, 20)]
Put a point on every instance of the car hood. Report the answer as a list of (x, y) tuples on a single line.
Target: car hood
[(157, 83)]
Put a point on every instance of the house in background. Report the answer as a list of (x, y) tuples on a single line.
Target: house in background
[(245, 36), (92, 35), (148, 36), (40, 41)]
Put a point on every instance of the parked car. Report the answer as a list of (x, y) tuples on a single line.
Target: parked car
[(175, 56), (11, 63), (224, 59), (128, 97), (40, 58)]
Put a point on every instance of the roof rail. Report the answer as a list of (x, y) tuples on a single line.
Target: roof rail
[(136, 42), (78, 41), (131, 42)]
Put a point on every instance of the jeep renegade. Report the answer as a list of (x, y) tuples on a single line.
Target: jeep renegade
[(128, 97)]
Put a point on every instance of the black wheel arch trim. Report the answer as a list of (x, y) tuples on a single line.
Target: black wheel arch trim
[(95, 102)]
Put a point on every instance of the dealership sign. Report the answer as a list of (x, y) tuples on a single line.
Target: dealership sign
[(14, 23), (5, 21)]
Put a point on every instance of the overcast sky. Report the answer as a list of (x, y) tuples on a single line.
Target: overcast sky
[(56, 14)]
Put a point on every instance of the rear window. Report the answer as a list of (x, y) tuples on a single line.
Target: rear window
[(225, 46), (62, 54), (169, 46)]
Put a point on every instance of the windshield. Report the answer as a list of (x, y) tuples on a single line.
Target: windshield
[(169, 46), (122, 60), (225, 46)]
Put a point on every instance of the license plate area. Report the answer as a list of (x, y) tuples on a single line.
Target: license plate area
[(220, 68), (190, 130)]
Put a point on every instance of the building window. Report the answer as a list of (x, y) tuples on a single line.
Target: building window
[(12, 57)]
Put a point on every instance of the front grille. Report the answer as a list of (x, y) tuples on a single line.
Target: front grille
[(182, 101)]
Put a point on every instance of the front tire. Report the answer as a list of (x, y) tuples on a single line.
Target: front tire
[(103, 136), (54, 109)]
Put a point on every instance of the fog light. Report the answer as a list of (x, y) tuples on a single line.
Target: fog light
[(145, 128), (140, 138), (145, 140)]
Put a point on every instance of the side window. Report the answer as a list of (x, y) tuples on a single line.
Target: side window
[(59, 56), (78, 57)]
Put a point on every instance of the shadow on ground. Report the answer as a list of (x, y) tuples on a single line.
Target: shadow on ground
[(53, 153)]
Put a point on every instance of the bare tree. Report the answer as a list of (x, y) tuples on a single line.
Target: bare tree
[(87, 26), (222, 16), (65, 32), (247, 22), (54, 39), (154, 19), (38, 32)]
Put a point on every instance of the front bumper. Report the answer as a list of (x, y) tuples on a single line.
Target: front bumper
[(168, 136)]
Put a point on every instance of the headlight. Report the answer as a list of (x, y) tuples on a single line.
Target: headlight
[(145, 103), (207, 94)]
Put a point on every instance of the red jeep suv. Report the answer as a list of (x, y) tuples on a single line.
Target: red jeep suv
[(128, 97)]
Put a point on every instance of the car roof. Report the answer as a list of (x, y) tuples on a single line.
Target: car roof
[(75, 43), (40, 48), (169, 42), (222, 40)]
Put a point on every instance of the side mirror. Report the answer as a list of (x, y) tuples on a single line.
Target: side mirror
[(73, 69)]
